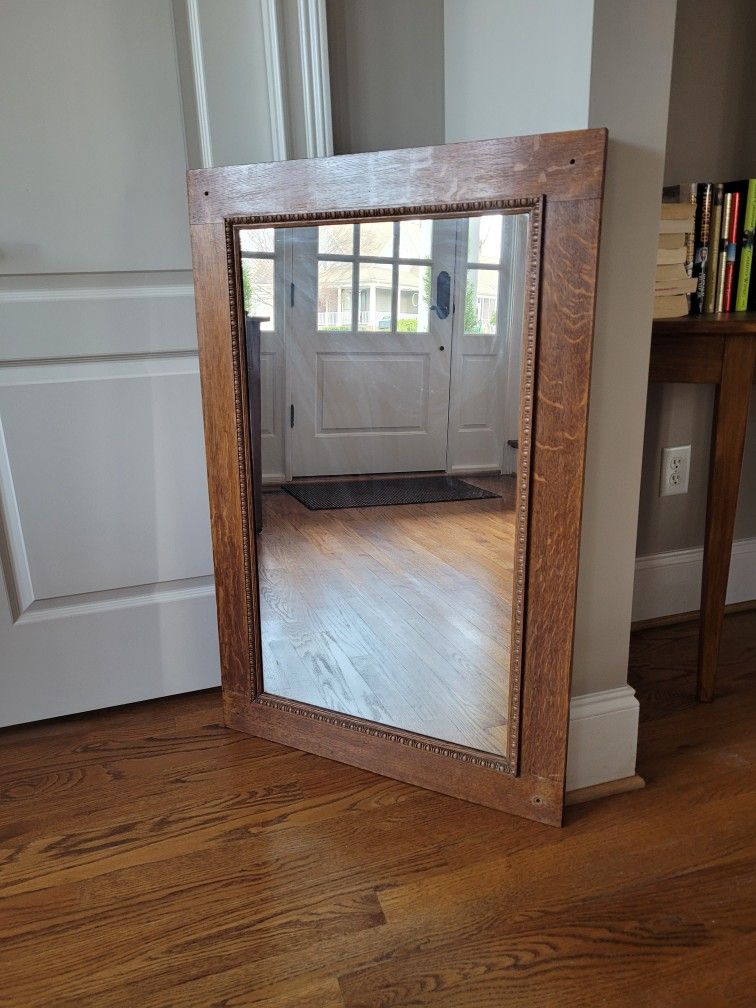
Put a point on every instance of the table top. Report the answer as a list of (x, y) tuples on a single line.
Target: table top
[(718, 324)]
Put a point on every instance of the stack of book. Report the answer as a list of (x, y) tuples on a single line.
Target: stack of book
[(674, 256), (719, 245)]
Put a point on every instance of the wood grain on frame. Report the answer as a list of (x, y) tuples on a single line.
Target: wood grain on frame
[(566, 168), (560, 166)]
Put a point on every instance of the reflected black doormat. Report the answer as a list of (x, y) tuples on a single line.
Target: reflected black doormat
[(383, 492)]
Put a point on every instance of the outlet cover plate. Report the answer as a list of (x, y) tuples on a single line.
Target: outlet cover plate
[(675, 471)]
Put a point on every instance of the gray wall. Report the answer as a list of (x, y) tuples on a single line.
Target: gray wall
[(387, 73), (515, 67), (711, 136), (511, 66), (712, 115)]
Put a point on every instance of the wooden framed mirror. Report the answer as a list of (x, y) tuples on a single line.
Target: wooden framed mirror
[(395, 356)]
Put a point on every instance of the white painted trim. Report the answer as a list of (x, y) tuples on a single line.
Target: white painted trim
[(117, 598), (471, 470), (603, 737), (316, 83), (13, 555), (274, 478), (95, 293), (200, 86), (274, 74), (670, 583)]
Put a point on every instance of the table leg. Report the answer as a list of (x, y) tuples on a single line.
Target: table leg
[(728, 437)]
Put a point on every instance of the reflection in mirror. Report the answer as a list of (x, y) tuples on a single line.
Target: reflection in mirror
[(388, 432)]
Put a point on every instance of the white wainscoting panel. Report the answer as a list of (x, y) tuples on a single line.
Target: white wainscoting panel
[(52, 322), (670, 583), (93, 145), (106, 588), (107, 470)]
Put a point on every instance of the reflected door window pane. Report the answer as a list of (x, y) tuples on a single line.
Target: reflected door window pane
[(414, 298), (334, 295), (481, 300), (415, 238), (376, 288), (337, 239), (258, 240), (484, 239), (258, 277), (377, 239)]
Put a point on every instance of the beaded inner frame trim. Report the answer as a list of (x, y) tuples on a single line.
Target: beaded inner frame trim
[(534, 208)]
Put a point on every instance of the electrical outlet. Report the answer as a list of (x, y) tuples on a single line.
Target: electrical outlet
[(675, 471)]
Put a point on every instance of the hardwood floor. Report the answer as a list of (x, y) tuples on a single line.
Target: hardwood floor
[(151, 857), (427, 587)]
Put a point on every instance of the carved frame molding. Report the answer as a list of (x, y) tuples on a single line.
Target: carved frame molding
[(531, 206)]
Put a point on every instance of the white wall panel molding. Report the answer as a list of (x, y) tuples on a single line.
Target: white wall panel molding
[(92, 603), (670, 583), (603, 737), (96, 321), (95, 293), (13, 557), (200, 85), (102, 480), (316, 85), (274, 71)]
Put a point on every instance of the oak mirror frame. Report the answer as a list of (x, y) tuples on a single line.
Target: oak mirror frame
[(557, 179)]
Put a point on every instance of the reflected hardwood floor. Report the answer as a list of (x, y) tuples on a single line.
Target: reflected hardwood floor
[(400, 615)]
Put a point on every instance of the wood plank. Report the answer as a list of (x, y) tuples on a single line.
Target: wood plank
[(558, 179), (731, 406), (714, 324), (563, 166), (680, 358), (152, 857)]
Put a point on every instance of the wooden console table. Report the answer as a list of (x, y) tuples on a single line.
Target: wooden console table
[(717, 350)]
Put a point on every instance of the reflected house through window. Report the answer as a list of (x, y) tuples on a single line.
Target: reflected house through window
[(386, 561)]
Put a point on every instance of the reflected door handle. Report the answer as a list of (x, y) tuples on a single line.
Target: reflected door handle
[(443, 295)]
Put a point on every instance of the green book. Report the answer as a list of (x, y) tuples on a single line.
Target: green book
[(746, 249)]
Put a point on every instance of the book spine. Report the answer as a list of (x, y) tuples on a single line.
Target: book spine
[(732, 252), (746, 249), (726, 214), (703, 224), (715, 235)]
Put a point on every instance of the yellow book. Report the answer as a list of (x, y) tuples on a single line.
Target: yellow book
[(685, 226), (670, 241), (669, 287), (665, 256), (675, 211), (670, 306), (671, 271)]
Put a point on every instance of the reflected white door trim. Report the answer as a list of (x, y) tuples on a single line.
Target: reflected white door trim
[(484, 406)]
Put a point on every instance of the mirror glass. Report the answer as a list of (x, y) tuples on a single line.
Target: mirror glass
[(384, 366)]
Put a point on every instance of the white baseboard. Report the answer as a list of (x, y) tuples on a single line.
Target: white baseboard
[(603, 737), (669, 583)]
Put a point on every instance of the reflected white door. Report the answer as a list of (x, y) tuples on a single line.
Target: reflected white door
[(369, 358), (484, 408)]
